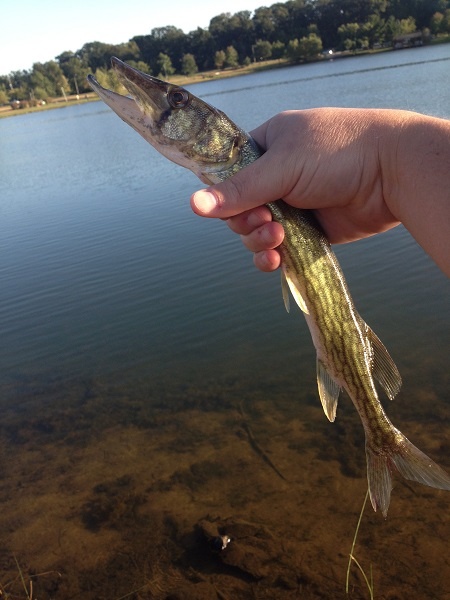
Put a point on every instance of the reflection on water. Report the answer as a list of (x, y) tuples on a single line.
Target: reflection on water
[(156, 396)]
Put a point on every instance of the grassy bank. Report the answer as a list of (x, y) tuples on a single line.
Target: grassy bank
[(7, 111)]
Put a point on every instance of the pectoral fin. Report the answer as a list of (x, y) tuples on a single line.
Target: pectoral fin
[(328, 391), (285, 291), (288, 283)]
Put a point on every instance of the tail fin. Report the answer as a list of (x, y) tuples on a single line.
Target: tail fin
[(407, 460)]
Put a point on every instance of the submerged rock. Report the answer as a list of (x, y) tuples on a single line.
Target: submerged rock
[(251, 548)]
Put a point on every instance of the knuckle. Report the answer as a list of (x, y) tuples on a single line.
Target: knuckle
[(235, 190)]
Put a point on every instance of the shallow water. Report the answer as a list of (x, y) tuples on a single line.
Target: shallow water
[(149, 372)]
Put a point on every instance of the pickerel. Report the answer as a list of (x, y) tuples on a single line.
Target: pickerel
[(350, 356)]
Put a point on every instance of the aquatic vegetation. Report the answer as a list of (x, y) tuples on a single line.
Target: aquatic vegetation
[(352, 556), (24, 583)]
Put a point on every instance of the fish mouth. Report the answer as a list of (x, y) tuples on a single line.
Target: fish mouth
[(148, 102), (186, 131), (129, 75), (148, 92)]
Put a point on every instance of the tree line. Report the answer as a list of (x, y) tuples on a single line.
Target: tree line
[(297, 30)]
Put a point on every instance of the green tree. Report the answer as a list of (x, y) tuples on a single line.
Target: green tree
[(188, 65), (201, 44), (41, 93), (263, 23), (140, 65), (407, 25), (127, 51), (281, 18), (48, 79), (436, 23), (345, 23), (374, 29), (231, 57), (165, 65), (108, 79), (75, 70), (219, 59), (363, 42), (278, 50), (18, 85), (445, 27), (234, 30), (304, 49), (292, 50), (396, 27), (167, 40), (96, 55), (312, 28), (310, 46), (262, 50), (349, 33)]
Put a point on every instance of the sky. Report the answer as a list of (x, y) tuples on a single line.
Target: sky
[(39, 30)]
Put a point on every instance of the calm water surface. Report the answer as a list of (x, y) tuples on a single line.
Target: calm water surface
[(118, 305)]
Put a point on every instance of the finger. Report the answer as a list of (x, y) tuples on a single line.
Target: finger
[(266, 237), (259, 134), (267, 261), (246, 222), (253, 186)]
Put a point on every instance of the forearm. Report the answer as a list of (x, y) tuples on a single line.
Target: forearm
[(417, 172)]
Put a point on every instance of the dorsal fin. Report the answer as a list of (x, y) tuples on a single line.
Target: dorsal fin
[(383, 367)]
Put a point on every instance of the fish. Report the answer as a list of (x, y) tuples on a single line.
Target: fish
[(195, 135)]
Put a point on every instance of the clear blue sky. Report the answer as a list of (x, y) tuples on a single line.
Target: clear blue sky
[(38, 30)]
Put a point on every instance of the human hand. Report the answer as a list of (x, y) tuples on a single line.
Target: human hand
[(323, 159)]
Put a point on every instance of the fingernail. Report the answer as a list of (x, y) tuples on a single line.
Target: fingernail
[(204, 201)]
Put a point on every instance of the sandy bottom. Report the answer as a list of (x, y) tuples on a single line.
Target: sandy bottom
[(113, 494)]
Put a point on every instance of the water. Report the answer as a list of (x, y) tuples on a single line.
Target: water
[(139, 345)]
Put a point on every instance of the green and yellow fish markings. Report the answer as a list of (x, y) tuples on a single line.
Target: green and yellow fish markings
[(350, 356)]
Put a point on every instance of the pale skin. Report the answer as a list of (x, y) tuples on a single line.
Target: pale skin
[(363, 171)]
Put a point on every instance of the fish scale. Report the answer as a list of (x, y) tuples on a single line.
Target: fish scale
[(350, 356)]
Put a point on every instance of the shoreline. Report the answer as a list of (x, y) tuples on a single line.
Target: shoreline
[(175, 79), (71, 100)]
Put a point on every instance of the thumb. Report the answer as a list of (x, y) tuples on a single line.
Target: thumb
[(253, 186)]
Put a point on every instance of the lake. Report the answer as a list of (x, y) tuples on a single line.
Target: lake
[(155, 394)]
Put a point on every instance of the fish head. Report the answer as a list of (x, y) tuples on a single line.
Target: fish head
[(182, 127)]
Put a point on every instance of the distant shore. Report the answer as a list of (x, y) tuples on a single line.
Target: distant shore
[(70, 100)]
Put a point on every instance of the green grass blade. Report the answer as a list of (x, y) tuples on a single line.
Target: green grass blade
[(351, 556)]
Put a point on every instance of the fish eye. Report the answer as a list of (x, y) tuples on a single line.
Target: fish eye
[(178, 98)]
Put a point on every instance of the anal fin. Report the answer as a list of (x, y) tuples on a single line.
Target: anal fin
[(328, 391)]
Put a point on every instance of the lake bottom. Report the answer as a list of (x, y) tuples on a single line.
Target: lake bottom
[(122, 487), (155, 402)]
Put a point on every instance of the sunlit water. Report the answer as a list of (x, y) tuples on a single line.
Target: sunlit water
[(117, 304)]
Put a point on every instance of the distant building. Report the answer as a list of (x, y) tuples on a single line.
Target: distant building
[(408, 40)]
